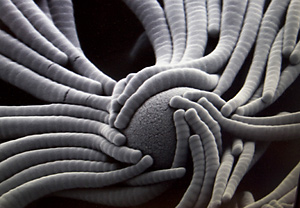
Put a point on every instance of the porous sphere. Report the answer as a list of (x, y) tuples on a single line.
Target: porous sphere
[(152, 129)]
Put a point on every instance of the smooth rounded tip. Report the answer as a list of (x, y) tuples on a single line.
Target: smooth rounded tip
[(237, 150), (190, 94), (284, 113), (295, 58), (148, 160), (109, 87), (215, 80), (136, 156), (286, 51), (173, 101), (179, 112), (226, 198), (181, 172), (213, 31), (119, 124), (189, 113), (240, 111), (235, 116), (226, 110), (119, 139), (267, 97), (203, 100), (194, 137), (60, 58)]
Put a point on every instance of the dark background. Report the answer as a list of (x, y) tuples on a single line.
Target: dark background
[(108, 31)]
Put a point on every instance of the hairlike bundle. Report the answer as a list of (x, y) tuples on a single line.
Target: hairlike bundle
[(199, 116)]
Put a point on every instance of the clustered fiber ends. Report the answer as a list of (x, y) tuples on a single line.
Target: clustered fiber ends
[(152, 129), (197, 125)]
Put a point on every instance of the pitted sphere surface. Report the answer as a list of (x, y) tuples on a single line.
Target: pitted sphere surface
[(152, 129)]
